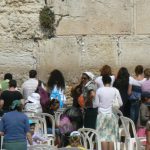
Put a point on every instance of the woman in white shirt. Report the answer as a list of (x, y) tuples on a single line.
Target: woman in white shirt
[(107, 123), (106, 70)]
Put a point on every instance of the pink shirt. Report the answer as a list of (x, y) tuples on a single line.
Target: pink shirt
[(146, 86)]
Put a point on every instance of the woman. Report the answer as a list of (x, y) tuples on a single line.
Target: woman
[(8, 96), (135, 92), (106, 70), (107, 123), (76, 93), (15, 129), (88, 93), (122, 84), (56, 86), (146, 84)]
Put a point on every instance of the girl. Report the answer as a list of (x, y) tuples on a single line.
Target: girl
[(56, 86), (122, 84), (144, 115), (107, 123)]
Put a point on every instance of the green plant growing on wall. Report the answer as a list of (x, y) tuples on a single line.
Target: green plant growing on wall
[(47, 21)]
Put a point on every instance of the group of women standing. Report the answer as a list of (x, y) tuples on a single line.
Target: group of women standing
[(95, 97), (100, 93)]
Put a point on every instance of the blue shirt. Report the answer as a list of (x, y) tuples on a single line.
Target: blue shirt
[(15, 125)]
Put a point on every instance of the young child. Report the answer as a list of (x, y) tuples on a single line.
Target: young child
[(144, 115), (51, 108), (74, 140), (148, 135), (36, 138)]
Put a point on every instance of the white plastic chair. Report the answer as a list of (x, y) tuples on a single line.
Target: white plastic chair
[(51, 137), (29, 113), (90, 138), (131, 142), (2, 139), (42, 147), (40, 124), (71, 148), (41, 128), (118, 114), (58, 113), (44, 115), (57, 117)]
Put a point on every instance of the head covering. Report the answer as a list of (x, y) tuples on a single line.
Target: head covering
[(74, 133), (90, 75), (15, 104), (35, 97), (31, 122)]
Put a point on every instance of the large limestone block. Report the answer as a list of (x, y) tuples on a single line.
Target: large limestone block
[(17, 57), (20, 19), (93, 16), (135, 51), (142, 16), (58, 53), (73, 55), (21, 2)]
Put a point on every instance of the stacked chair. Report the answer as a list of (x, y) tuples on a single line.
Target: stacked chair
[(132, 142), (41, 128)]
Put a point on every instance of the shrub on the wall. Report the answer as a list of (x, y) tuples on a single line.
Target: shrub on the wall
[(47, 20)]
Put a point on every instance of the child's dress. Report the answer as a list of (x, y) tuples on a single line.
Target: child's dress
[(142, 120)]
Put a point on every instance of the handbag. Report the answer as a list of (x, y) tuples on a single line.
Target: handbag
[(81, 101), (116, 100)]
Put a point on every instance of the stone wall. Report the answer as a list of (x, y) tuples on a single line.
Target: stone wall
[(89, 34)]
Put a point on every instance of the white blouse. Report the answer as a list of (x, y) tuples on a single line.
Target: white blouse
[(104, 99), (99, 81)]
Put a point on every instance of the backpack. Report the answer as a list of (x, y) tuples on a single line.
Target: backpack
[(65, 125), (55, 94), (44, 98)]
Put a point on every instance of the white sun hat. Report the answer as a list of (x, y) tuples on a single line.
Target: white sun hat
[(75, 133)]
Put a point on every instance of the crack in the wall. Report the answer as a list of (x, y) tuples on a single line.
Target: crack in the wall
[(103, 3), (80, 42), (118, 46), (60, 19), (82, 50), (35, 56), (119, 50)]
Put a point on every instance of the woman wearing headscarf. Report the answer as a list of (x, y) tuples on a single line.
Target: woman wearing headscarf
[(15, 127), (88, 93)]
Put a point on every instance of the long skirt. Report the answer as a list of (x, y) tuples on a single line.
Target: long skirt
[(107, 127), (15, 145), (90, 118)]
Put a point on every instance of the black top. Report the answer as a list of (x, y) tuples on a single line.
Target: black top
[(9, 97), (122, 86), (48, 121)]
